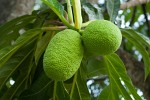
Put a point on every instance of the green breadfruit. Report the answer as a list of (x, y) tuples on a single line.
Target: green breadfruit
[(63, 55), (101, 37)]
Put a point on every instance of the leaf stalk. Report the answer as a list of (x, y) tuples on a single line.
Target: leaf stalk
[(77, 13), (73, 85), (55, 88)]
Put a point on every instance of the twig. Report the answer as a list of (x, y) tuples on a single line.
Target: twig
[(73, 85), (133, 16), (56, 28), (54, 22), (145, 15), (69, 9), (55, 89), (132, 3)]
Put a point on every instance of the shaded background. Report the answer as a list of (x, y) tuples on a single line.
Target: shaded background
[(13, 8)]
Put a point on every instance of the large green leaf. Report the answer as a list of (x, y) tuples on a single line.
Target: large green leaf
[(7, 52), (20, 78), (113, 7), (140, 37), (108, 94), (42, 44), (55, 6), (117, 74), (41, 89), (14, 63), (139, 41), (95, 67), (59, 10), (62, 93), (92, 12), (10, 31)]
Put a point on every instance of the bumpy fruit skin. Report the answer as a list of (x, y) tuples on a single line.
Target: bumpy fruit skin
[(63, 55), (101, 37)]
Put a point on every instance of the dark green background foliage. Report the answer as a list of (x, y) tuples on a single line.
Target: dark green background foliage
[(23, 41)]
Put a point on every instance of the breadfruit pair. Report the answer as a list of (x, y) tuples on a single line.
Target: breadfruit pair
[(65, 51)]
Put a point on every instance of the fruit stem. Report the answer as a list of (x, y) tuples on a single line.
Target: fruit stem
[(86, 23), (56, 28), (73, 85), (54, 92), (77, 13), (69, 9)]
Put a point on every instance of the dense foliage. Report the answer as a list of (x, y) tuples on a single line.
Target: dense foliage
[(24, 40)]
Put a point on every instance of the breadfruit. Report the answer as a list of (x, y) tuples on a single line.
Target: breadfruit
[(63, 55), (101, 37)]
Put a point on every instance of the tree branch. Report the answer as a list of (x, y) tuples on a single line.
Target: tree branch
[(133, 16), (21, 7), (133, 3), (5, 9), (146, 18)]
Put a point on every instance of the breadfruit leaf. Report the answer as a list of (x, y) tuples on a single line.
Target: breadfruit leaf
[(133, 34), (119, 80), (95, 67), (58, 9), (20, 79), (79, 88), (140, 42), (42, 44), (42, 88), (61, 92), (55, 6), (108, 94), (14, 63), (9, 32), (8, 51)]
